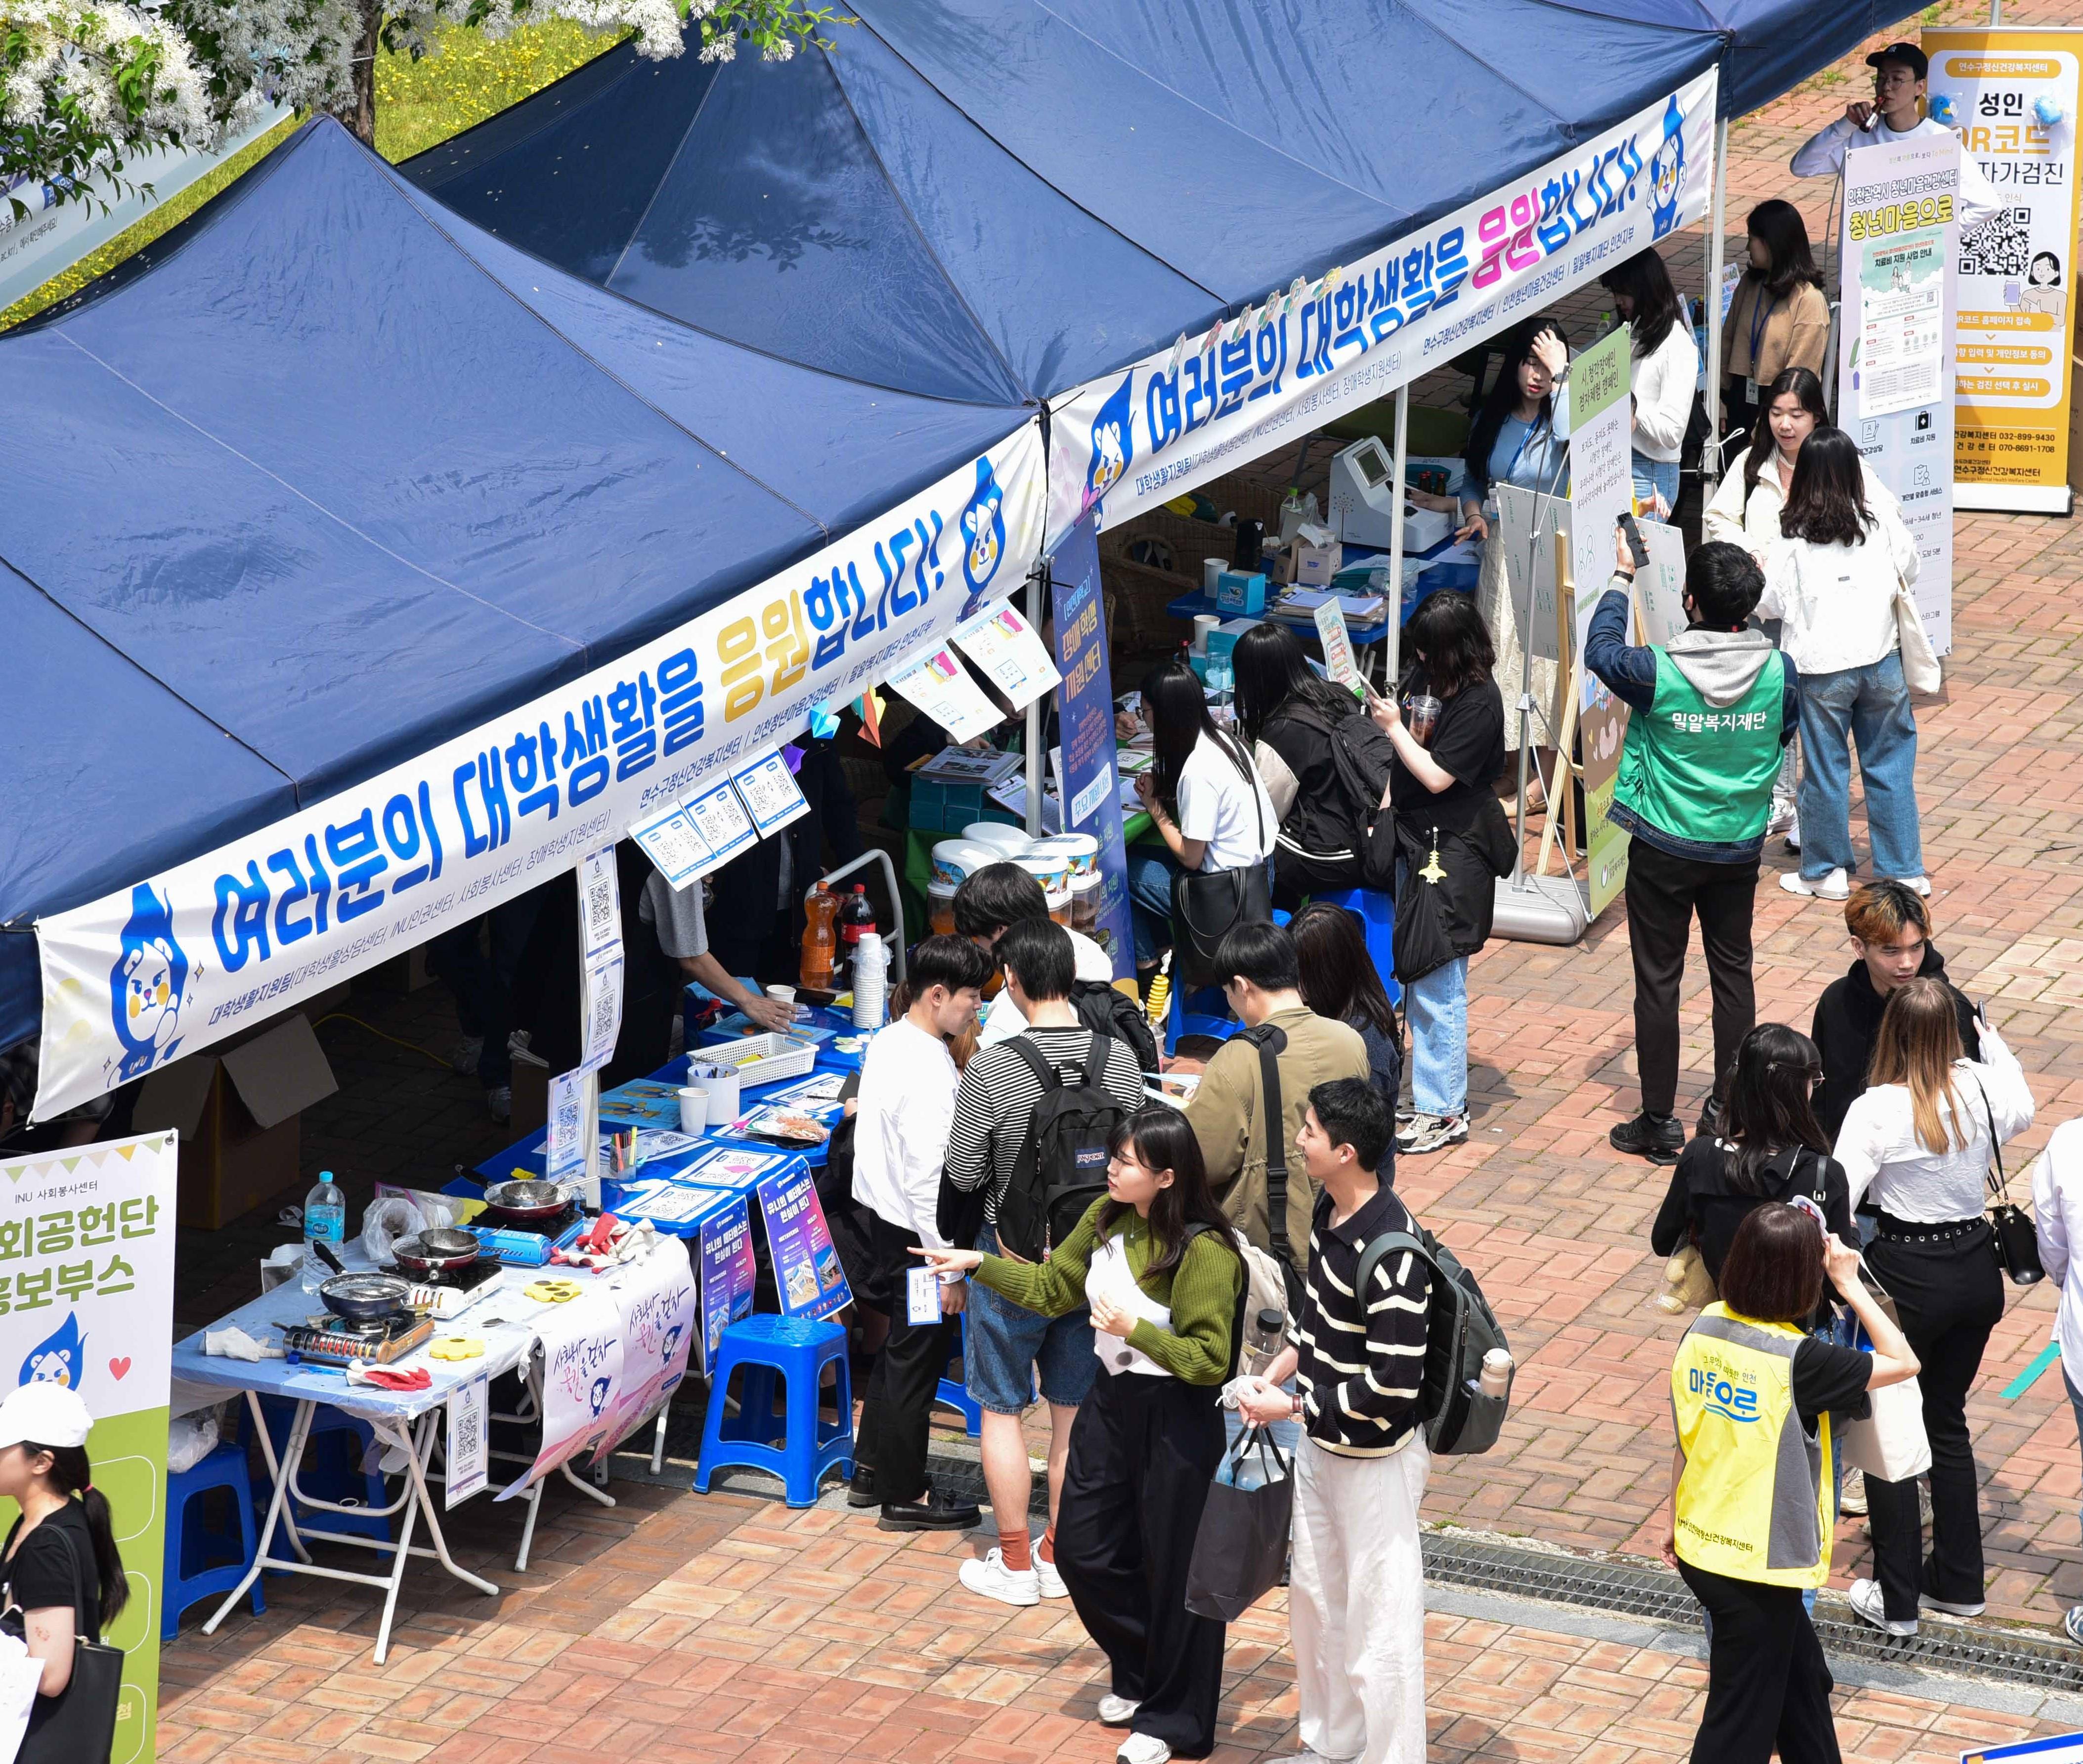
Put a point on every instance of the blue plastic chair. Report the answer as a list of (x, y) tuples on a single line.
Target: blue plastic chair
[(793, 1351), (224, 1469), (332, 1470), (953, 1391), (1377, 913)]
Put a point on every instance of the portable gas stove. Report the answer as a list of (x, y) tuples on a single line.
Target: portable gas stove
[(333, 1341), (527, 1242), (446, 1293)]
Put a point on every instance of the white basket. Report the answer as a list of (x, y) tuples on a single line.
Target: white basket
[(757, 1060)]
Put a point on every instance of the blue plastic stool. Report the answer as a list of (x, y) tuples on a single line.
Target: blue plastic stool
[(953, 1392), (1377, 914), (1205, 1012), (332, 1470), (794, 1351), (224, 1469)]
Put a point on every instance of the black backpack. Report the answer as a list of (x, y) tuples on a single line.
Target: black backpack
[(1106, 1010), (1339, 820), (1061, 1169), (1459, 1329)]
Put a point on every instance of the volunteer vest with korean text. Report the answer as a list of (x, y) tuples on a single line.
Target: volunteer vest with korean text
[(1698, 772), (1754, 1501)]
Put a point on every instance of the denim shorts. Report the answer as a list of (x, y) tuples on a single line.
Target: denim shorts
[(1007, 1344)]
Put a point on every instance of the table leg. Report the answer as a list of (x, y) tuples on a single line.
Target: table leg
[(268, 1456), (300, 1426), (417, 1452)]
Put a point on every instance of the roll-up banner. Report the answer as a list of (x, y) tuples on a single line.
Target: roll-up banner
[(1130, 441), (183, 958)]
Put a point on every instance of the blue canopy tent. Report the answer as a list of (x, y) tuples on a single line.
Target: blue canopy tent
[(328, 475)]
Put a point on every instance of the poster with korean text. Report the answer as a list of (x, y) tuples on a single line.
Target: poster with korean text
[(806, 1267), (657, 1300), (581, 1345)]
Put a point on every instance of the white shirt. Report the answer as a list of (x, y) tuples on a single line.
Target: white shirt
[(2057, 1210), (1879, 1149), (1754, 524), (907, 1099), (1837, 602), (1822, 155), (1664, 383), (1236, 818), (1002, 1019)]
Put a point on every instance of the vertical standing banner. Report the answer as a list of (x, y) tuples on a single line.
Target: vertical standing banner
[(1895, 360), (87, 1300), (2011, 95), (1084, 704), (1601, 491)]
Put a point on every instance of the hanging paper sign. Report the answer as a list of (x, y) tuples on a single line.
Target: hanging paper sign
[(600, 905), (564, 1145), (603, 1012), (656, 1299), (720, 819), (674, 845), (768, 790), (469, 1446), (1337, 644), (941, 687), (581, 1343), (1009, 650), (806, 1267)]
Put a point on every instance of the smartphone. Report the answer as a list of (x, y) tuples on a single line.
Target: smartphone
[(1636, 546)]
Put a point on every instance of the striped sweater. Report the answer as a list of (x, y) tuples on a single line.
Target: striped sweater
[(1362, 1356)]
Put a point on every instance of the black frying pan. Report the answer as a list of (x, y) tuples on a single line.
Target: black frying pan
[(441, 1250), (528, 1199), (358, 1297)]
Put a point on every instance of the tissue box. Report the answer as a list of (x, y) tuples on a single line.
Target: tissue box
[(1315, 566), (1238, 593)]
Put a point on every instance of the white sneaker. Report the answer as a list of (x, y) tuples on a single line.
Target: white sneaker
[(1318, 1757), (2072, 1625), (1117, 1711), (1781, 814), (1952, 1607), (1794, 831), (1049, 1581), (1867, 1601), (1143, 1748), (1854, 1500), (1836, 886), (993, 1580), (468, 1049), (1916, 885)]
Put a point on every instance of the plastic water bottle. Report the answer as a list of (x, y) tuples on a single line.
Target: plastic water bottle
[(1262, 1342), (325, 1216)]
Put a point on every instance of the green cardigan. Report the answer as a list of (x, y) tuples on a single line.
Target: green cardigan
[(1201, 1291)]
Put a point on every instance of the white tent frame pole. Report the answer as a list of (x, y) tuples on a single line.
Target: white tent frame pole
[(1393, 648), (1038, 583), (1710, 457)]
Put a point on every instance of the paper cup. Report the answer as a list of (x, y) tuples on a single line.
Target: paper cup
[(723, 1100), (782, 995), (1204, 623), (694, 1108), (1211, 570)]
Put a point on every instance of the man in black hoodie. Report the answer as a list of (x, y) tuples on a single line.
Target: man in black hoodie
[(1891, 930)]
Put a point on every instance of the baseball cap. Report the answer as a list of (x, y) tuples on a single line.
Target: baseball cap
[(1909, 54), (44, 1413)]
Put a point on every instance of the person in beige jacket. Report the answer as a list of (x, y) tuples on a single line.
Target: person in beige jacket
[(1227, 1110), (1779, 317)]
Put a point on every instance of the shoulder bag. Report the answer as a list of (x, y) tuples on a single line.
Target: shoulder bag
[(2011, 1235), (1208, 904), (82, 1726), (1890, 1443), (1919, 661)]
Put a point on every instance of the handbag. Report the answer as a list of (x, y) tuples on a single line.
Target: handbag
[(1890, 1441), (1240, 1547), (2012, 1235), (82, 1726), (1919, 661), (1687, 1286), (1209, 904)]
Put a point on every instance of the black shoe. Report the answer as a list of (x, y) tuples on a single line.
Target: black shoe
[(930, 1514), (1713, 1119), (1660, 1138), (860, 1491)]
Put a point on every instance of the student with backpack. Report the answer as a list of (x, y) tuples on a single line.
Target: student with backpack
[(1027, 1155), (1356, 1593), (1153, 1257)]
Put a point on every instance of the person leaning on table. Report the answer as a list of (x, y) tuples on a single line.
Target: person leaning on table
[(1753, 1398)]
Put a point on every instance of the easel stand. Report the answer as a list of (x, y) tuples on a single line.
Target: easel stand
[(1539, 908)]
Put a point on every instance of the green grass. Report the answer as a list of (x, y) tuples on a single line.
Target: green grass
[(418, 104)]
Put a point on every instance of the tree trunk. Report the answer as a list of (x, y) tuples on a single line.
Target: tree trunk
[(361, 119)]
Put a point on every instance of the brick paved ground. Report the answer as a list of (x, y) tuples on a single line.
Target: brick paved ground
[(757, 1634)]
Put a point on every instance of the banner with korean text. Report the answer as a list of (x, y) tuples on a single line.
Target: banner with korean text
[(1130, 441), (2011, 95), (185, 958)]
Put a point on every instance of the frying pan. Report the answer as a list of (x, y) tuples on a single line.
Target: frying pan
[(437, 1250), (530, 1200), (358, 1297)]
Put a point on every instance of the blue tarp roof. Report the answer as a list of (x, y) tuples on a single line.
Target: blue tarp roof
[(331, 475)]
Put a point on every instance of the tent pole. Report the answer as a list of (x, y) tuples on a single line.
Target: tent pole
[(1037, 583), (1711, 458), (1392, 651)]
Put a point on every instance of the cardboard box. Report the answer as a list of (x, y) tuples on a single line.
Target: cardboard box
[(238, 1111), (530, 1086), (1318, 555)]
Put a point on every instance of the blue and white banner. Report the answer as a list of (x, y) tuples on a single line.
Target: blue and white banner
[(1125, 443), (184, 959)]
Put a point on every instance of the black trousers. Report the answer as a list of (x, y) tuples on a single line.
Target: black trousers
[(1949, 1295), (1143, 1452), (1768, 1684), (897, 1413), (1664, 893)]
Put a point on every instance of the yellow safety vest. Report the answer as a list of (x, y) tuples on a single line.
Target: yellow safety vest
[(1755, 1498)]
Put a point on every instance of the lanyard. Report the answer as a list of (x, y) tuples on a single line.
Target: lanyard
[(1760, 315), (1518, 453)]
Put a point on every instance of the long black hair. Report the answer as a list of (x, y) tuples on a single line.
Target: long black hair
[(1178, 718), (1644, 279), (1826, 504), (1161, 1138), (1805, 387), (1272, 673), (1447, 630), (1769, 1111), (1786, 235), (71, 1473), (1339, 978), (1502, 398)]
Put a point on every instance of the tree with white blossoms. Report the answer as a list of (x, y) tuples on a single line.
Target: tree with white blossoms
[(86, 85)]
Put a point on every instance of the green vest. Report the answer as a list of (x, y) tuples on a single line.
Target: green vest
[(1702, 774)]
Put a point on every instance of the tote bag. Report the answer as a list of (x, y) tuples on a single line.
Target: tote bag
[(1919, 661), (1890, 1442), (82, 1729), (1241, 1546)]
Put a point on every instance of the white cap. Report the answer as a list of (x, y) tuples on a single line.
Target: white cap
[(44, 1413)]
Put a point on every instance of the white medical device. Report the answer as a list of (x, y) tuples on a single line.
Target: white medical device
[(1363, 501)]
